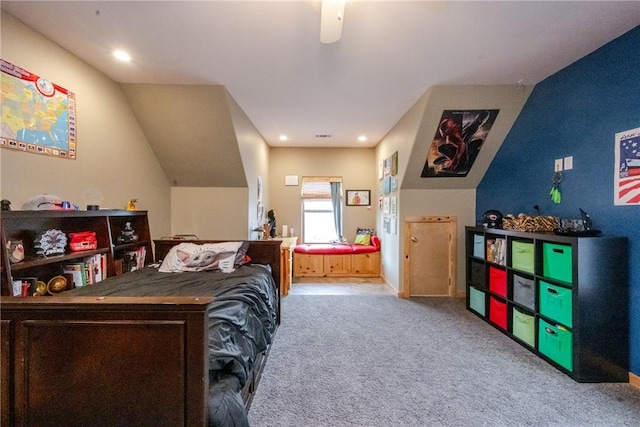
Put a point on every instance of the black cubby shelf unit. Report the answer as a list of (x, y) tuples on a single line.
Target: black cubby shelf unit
[(564, 298)]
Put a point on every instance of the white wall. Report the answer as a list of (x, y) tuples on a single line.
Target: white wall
[(418, 196), (113, 156), (401, 139), (209, 213), (255, 161), (356, 166)]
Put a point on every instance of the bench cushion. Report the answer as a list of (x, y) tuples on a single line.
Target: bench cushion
[(323, 248), (329, 249)]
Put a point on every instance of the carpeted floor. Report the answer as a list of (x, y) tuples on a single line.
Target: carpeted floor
[(383, 361)]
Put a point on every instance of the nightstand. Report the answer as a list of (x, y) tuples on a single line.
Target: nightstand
[(286, 262)]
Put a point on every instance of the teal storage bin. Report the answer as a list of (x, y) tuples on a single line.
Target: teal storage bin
[(556, 303), (477, 301), (556, 343), (478, 246), (524, 327), (522, 257), (556, 262)]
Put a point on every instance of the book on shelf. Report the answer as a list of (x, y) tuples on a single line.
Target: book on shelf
[(134, 259), (92, 269), (77, 271), (497, 251), (24, 286)]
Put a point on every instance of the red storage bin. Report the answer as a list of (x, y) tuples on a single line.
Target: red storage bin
[(498, 281), (498, 312)]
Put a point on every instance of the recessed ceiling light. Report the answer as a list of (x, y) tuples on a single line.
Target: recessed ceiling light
[(122, 55), (362, 138), (283, 137)]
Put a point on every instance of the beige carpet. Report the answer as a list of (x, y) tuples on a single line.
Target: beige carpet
[(340, 286)]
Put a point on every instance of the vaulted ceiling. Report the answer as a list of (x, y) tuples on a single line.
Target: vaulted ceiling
[(268, 54)]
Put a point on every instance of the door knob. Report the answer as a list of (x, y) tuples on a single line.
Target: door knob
[(413, 239)]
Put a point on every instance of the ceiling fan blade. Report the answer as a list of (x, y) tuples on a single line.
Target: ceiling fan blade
[(331, 18)]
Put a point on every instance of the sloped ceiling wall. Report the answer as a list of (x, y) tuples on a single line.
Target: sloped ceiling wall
[(509, 99), (191, 132)]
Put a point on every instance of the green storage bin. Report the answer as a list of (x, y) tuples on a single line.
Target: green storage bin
[(556, 303), (522, 256), (556, 262), (478, 246), (556, 343), (477, 301), (524, 327)]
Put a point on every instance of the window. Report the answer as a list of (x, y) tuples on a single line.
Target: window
[(321, 209)]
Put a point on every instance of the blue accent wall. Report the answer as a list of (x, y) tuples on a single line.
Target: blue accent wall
[(576, 112)]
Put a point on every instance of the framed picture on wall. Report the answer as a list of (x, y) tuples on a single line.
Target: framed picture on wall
[(627, 169), (394, 164), (387, 184), (358, 197)]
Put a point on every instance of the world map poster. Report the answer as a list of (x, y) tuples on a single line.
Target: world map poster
[(38, 116)]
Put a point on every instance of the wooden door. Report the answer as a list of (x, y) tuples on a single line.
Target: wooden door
[(429, 256)]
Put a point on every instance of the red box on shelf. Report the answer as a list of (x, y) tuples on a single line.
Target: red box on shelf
[(498, 281), (498, 312), (83, 241)]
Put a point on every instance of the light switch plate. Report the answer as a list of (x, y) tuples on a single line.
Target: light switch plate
[(558, 166), (568, 163)]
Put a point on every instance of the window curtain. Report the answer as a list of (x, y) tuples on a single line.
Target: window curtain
[(336, 200)]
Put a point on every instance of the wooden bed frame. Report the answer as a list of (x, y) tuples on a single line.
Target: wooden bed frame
[(112, 360)]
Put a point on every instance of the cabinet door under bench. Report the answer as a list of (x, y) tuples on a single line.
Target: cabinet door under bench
[(366, 264), (337, 264), (308, 265), (566, 298)]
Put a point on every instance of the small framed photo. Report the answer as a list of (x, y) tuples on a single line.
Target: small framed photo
[(358, 197)]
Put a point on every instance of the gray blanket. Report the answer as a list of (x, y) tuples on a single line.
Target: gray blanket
[(242, 321)]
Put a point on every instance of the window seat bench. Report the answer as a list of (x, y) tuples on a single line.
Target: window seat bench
[(329, 260)]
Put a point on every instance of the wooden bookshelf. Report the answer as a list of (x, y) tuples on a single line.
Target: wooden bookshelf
[(107, 224)]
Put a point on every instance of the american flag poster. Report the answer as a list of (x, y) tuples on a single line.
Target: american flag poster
[(627, 176)]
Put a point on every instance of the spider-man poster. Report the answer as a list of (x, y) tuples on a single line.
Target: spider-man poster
[(457, 142)]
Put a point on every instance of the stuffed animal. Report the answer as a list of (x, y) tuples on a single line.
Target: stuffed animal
[(15, 250), (131, 204)]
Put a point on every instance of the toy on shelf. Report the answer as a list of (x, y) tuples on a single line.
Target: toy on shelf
[(128, 235)]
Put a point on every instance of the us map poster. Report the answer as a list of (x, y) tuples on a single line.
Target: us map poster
[(627, 174), (38, 116)]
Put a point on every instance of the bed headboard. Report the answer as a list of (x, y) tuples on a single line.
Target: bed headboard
[(260, 252)]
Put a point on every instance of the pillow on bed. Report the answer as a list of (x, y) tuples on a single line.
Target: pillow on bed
[(207, 256)]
